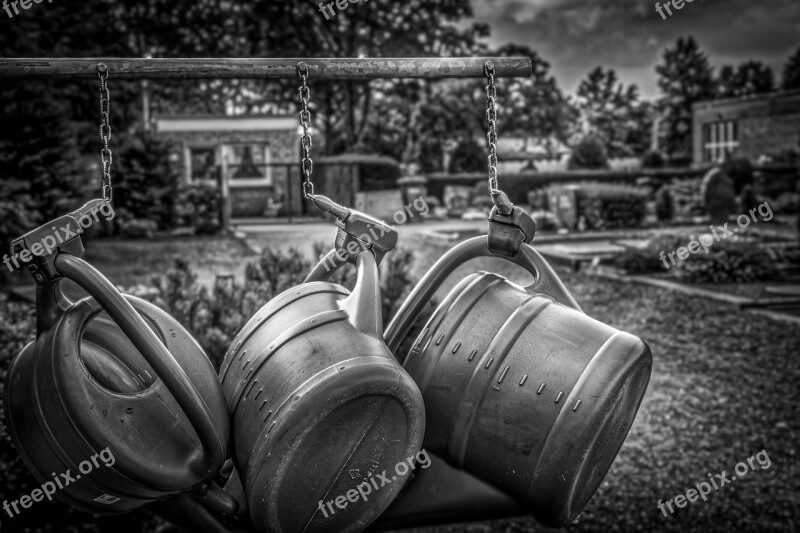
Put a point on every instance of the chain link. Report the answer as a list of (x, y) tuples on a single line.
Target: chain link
[(105, 129), (499, 198), (491, 117), (307, 165)]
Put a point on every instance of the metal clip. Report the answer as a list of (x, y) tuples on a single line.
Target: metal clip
[(508, 231), (360, 232), (39, 248)]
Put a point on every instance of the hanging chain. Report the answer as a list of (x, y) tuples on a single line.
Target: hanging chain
[(491, 117), (105, 129), (498, 197), (307, 166)]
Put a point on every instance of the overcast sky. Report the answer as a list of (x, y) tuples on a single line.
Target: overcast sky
[(575, 36)]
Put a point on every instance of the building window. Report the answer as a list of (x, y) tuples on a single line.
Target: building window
[(248, 164), (201, 164), (719, 139)]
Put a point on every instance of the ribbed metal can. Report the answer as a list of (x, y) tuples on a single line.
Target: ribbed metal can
[(319, 408)]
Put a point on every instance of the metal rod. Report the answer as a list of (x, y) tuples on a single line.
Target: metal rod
[(211, 68)]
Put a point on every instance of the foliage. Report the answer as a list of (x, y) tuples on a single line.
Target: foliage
[(791, 72), (685, 77), (533, 106), (727, 263), (748, 199), (653, 159), (145, 182), (740, 170), (589, 153), (613, 111), (215, 316), (749, 78), (634, 260), (198, 206), (664, 205), (469, 156), (426, 28)]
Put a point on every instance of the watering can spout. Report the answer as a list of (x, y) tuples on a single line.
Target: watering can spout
[(363, 306)]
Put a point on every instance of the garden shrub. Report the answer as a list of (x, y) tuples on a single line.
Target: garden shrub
[(727, 263), (654, 159), (740, 170), (144, 182), (590, 153), (747, 199), (664, 206), (215, 316), (198, 207)]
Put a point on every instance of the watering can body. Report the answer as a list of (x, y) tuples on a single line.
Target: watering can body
[(522, 389), (320, 408), (113, 374)]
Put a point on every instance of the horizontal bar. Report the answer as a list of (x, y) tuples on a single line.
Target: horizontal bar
[(212, 68)]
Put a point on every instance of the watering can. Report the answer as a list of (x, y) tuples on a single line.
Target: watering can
[(320, 408), (113, 376), (522, 389)]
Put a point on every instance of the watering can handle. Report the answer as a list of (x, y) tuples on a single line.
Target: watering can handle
[(546, 281), (154, 352)]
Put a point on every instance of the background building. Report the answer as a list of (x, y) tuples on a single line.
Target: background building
[(749, 127)]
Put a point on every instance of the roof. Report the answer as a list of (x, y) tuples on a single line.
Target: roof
[(795, 93), (205, 123)]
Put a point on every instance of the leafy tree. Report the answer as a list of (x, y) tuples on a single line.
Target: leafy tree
[(423, 28), (749, 78), (533, 107), (613, 112), (685, 77), (791, 72)]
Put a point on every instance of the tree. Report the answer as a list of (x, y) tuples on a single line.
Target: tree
[(613, 112), (423, 28), (685, 77), (791, 72), (749, 78), (533, 107)]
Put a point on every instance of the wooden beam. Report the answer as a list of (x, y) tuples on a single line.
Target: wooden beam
[(215, 68)]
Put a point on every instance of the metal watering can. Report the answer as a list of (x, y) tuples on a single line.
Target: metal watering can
[(111, 372), (320, 407), (521, 388)]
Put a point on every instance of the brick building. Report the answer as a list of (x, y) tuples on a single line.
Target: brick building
[(746, 126)]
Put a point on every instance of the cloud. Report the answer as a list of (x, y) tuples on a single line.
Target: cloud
[(628, 35)]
